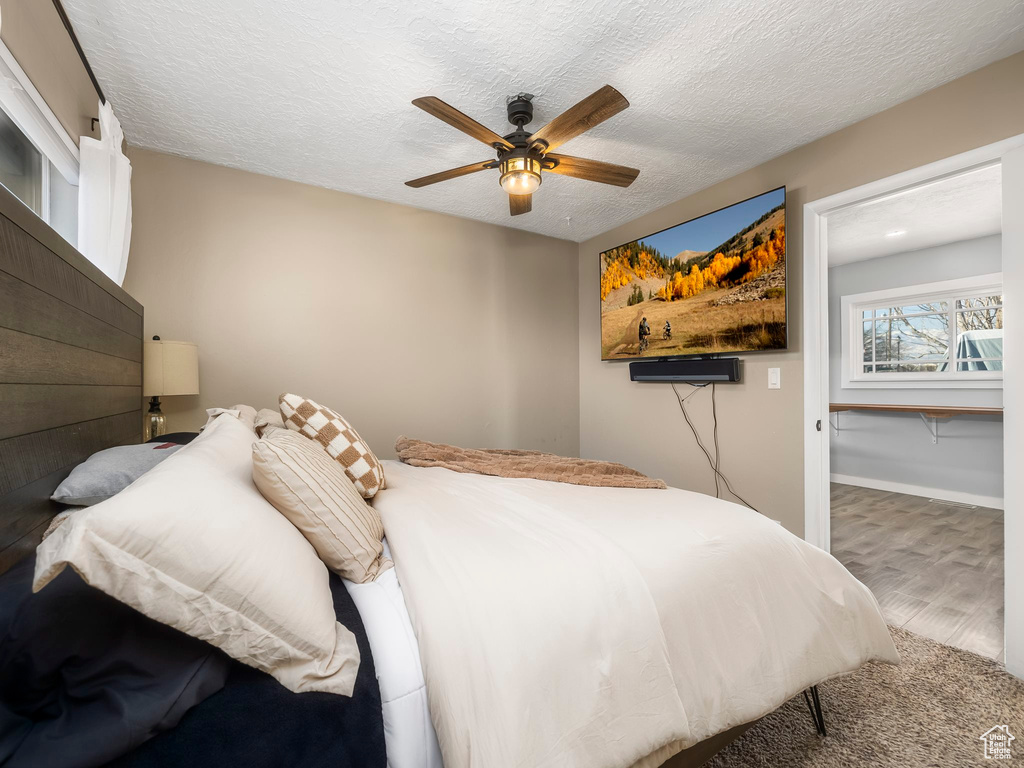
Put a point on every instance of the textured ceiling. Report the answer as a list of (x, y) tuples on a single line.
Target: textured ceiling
[(959, 208), (318, 90)]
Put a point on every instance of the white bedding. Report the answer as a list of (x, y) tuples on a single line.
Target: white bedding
[(409, 737), (569, 626)]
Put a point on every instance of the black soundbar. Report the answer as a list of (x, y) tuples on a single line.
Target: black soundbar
[(698, 371)]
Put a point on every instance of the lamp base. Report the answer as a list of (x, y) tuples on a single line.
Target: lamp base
[(155, 423)]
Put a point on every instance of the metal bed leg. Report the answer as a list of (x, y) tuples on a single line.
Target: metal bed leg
[(814, 707)]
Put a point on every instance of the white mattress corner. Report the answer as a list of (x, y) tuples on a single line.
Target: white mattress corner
[(409, 735)]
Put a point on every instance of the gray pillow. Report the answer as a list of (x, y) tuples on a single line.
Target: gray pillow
[(108, 472)]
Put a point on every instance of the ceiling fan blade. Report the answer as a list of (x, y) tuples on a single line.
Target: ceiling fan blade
[(454, 173), (518, 204), (594, 109), (434, 106), (592, 170)]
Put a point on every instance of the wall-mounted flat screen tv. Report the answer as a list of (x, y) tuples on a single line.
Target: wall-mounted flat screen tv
[(712, 285)]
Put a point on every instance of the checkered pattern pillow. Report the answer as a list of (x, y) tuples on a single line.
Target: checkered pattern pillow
[(342, 443)]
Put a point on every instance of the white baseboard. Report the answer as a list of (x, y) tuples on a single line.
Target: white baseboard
[(994, 502)]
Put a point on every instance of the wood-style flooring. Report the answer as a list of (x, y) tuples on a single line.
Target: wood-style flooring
[(936, 570)]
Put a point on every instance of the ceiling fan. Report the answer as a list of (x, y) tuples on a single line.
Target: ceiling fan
[(522, 156)]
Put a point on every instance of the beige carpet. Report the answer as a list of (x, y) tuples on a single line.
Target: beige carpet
[(929, 711)]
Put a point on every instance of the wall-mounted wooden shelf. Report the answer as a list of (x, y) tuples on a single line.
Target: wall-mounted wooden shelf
[(926, 412), (930, 411)]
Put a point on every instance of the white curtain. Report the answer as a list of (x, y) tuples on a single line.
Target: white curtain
[(105, 198)]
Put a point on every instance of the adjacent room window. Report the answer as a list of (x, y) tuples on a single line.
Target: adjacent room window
[(38, 159), (947, 334)]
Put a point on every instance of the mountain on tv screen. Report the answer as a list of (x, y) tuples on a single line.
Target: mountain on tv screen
[(712, 285)]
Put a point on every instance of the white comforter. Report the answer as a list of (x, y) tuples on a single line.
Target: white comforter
[(569, 626)]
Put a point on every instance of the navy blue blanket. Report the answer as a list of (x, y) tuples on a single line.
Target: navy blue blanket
[(256, 722), (84, 678)]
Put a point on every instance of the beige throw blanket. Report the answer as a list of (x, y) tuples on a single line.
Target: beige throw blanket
[(522, 464)]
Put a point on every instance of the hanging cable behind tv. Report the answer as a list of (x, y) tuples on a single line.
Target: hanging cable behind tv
[(715, 462)]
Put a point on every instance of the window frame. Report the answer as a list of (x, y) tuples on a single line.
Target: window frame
[(852, 341), (25, 106)]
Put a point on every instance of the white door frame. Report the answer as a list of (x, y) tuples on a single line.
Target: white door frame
[(815, 343)]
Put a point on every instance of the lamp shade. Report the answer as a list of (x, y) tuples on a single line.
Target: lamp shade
[(170, 368)]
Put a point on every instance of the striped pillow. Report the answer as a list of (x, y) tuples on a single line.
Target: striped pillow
[(311, 489)]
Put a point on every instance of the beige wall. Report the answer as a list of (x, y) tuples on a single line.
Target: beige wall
[(761, 430), (472, 332), (408, 322), (33, 32)]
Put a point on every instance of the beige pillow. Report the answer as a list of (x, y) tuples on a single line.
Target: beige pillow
[(311, 489), (336, 435), (267, 418), (194, 545)]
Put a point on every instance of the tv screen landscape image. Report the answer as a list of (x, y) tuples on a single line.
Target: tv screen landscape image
[(715, 284)]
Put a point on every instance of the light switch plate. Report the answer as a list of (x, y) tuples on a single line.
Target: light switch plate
[(774, 378)]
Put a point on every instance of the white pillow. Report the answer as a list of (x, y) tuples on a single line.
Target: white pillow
[(244, 413), (193, 544)]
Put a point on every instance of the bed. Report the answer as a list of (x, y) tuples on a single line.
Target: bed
[(542, 623), (617, 627)]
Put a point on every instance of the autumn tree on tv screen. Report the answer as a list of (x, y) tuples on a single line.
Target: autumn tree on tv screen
[(716, 284)]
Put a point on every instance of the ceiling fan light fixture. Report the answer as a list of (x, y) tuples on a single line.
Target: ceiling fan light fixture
[(522, 155), (520, 175)]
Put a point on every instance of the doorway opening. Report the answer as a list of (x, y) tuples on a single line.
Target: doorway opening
[(915, 344), (904, 383)]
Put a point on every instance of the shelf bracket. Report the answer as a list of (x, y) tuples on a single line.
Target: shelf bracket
[(834, 424), (932, 425)]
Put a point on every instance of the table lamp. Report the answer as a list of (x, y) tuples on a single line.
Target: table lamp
[(168, 368)]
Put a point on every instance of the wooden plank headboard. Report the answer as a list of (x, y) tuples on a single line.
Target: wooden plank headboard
[(70, 371)]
